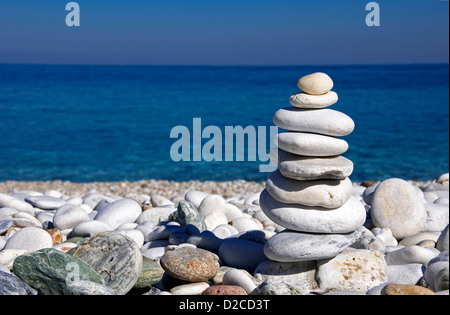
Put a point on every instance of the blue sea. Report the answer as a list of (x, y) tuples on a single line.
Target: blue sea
[(111, 123)]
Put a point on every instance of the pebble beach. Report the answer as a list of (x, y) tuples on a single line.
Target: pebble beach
[(307, 230)]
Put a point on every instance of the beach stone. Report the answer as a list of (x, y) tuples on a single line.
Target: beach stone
[(163, 232), (156, 215), (151, 274), (225, 230), (308, 144), (158, 201), (68, 216), (206, 240), (410, 255), (50, 271), (187, 214), (195, 197), (442, 243), (241, 254), (213, 204), (279, 286), (7, 256), (417, 238), (355, 270), (345, 219), (397, 205), (116, 257), (135, 235), (239, 278), (300, 275), (56, 236), (224, 290), (214, 220), (437, 217), (45, 202), (321, 121), (244, 224), (119, 212), (190, 264), (14, 203), (190, 289), (11, 285), (90, 228), (316, 83), (291, 246), (441, 281), (310, 168), (405, 274), (304, 100), (30, 239), (441, 183), (327, 193), (83, 287), (23, 219), (402, 289), (5, 225), (434, 267)]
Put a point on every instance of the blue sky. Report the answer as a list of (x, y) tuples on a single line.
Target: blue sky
[(224, 32)]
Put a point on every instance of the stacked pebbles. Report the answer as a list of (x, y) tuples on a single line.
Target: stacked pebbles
[(310, 194)]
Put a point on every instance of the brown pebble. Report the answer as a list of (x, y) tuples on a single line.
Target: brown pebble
[(190, 264), (401, 289), (368, 183), (224, 290), (56, 236)]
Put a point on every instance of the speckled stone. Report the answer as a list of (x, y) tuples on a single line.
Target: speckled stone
[(116, 257), (50, 271), (190, 264), (187, 214), (11, 285), (224, 290)]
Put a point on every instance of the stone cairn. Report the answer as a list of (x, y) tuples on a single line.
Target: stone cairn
[(310, 194)]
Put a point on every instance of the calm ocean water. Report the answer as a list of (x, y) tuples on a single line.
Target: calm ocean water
[(108, 123)]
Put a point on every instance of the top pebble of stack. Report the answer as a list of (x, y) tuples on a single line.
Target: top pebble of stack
[(316, 84), (316, 92)]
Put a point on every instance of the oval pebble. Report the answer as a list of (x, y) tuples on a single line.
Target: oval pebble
[(30, 239)]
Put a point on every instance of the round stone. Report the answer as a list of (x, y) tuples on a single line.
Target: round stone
[(187, 214), (345, 219), (116, 257), (309, 144), (11, 285), (290, 246), (30, 239), (316, 83), (303, 100), (398, 206), (68, 216), (403, 289), (151, 273), (322, 121), (310, 168), (119, 212), (190, 264), (327, 193)]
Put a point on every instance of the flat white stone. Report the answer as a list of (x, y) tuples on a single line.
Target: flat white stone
[(14, 203), (311, 168), (397, 205), (292, 246), (410, 255), (118, 212), (316, 83), (437, 217), (304, 100), (90, 228), (322, 121), (327, 193), (345, 219), (45, 202), (309, 144), (30, 239), (195, 197), (190, 289), (213, 204)]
